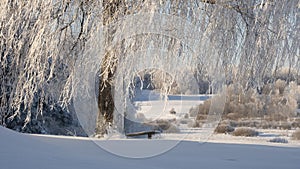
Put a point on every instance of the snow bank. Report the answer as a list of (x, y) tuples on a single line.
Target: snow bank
[(30, 151)]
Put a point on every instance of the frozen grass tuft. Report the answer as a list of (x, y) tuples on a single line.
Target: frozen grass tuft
[(248, 132)]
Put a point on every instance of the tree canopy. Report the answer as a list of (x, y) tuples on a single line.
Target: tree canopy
[(250, 41)]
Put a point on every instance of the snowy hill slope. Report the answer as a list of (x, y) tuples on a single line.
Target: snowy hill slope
[(30, 151)]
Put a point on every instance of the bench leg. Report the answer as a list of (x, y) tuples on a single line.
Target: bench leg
[(149, 135)]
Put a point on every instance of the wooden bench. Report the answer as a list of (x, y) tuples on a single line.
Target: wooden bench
[(149, 133)]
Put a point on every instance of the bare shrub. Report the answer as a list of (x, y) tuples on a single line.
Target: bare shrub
[(233, 116), (163, 124), (167, 126), (194, 124), (296, 123), (201, 117), (266, 89), (172, 111), (266, 125), (172, 129), (296, 135), (140, 117), (224, 129), (229, 122), (248, 132), (191, 124), (278, 140), (248, 123), (278, 105), (280, 85), (232, 123), (185, 121), (186, 116), (204, 108), (193, 112), (248, 107), (278, 117), (285, 126)]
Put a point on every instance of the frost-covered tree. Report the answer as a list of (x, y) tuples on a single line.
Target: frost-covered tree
[(40, 42)]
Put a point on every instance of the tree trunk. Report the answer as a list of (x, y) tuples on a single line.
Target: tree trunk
[(106, 106), (105, 98)]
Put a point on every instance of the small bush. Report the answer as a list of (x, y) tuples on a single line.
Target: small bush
[(185, 121), (248, 132), (201, 117), (233, 123), (285, 126), (266, 125), (172, 129), (186, 116), (224, 129), (163, 124), (204, 108), (167, 126), (193, 112), (296, 124), (278, 140), (248, 123), (172, 111), (296, 135), (233, 116), (140, 117), (194, 124)]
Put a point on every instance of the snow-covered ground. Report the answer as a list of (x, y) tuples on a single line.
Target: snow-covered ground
[(185, 149), (155, 107), (23, 151)]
